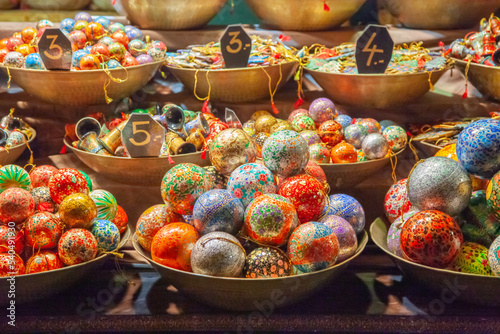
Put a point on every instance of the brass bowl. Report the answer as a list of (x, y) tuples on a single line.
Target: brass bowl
[(478, 289), (77, 88), (377, 91), (245, 294), (169, 14), (32, 287), (439, 14), (235, 85), (485, 78), (8, 4), (57, 4), (137, 171), (7, 158), (304, 15)]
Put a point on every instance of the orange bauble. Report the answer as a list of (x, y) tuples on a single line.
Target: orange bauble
[(152, 220), (11, 265), (28, 34), (343, 153), (45, 260)]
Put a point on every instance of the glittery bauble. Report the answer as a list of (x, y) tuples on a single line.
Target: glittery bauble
[(330, 133), (259, 140), (117, 51), (6, 233), (106, 234), (319, 153), (40, 175), (281, 125), (232, 148), (311, 137), (134, 32), (78, 38), (43, 201), (33, 61), (302, 123), (285, 153), (265, 262), (218, 210), (394, 233), (115, 26), (218, 254), (144, 59), (493, 195), (13, 59), (89, 62), (354, 134), (80, 25), (83, 16), (67, 25), (65, 182), (307, 195), (14, 176), (494, 257), (77, 56), (371, 125), (16, 205), (385, 124), (478, 146), (136, 47), (121, 219), (156, 54), (343, 153), (77, 211), (439, 183), (101, 51), (218, 181), (431, 238), (348, 208), (265, 123), (270, 219), (316, 171), (396, 201), (42, 230), (94, 31), (77, 246), (313, 246), (473, 259), (343, 120), (105, 203), (152, 220), (348, 242), (375, 146), (396, 137), (28, 34), (44, 260), (11, 265), (296, 113), (322, 110), (250, 181)]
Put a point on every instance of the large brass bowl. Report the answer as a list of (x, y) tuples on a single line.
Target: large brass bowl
[(36, 286), (137, 171), (7, 158), (169, 14), (476, 289), (57, 4), (304, 15), (485, 78), (77, 88), (244, 294), (439, 14), (377, 91), (235, 85)]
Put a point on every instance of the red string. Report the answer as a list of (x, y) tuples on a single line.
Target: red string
[(299, 102), (113, 3), (325, 6), (465, 93), (204, 154), (205, 108), (275, 110), (63, 150), (170, 160)]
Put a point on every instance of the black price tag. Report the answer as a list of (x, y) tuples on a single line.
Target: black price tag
[(143, 136), (55, 50), (235, 46), (374, 50)]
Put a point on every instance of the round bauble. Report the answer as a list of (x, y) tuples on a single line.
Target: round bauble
[(348, 208), (43, 231), (16, 205), (40, 175), (12, 176), (354, 134), (65, 182), (44, 260), (494, 257), (322, 110), (105, 203), (77, 246), (230, 149), (396, 200), (265, 262), (285, 153), (472, 259), (152, 220), (249, 181), (77, 211), (396, 137), (375, 146), (348, 242)]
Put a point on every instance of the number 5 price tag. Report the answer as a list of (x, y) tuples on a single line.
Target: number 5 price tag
[(374, 50), (143, 136), (55, 50), (235, 46)]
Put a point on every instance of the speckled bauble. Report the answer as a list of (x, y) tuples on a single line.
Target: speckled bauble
[(43, 201), (106, 234), (322, 110), (121, 219), (396, 201), (394, 233), (317, 172), (14, 176), (439, 183), (77, 211), (16, 205), (281, 125), (343, 153), (265, 123), (76, 246), (13, 59), (375, 146), (11, 265), (249, 181), (385, 124), (285, 153), (319, 153), (40, 175), (343, 120), (307, 195), (431, 238), (396, 137), (296, 113), (494, 257), (65, 182), (152, 220), (330, 133), (270, 219), (348, 208), (478, 146), (182, 185), (346, 236), (265, 262), (493, 195), (5, 236), (354, 134), (105, 203), (218, 181), (361, 156), (311, 137), (473, 259), (232, 148), (259, 140), (42, 230), (313, 246), (44, 260), (371, 125), (218, 254), (302, 123), (218, 210)]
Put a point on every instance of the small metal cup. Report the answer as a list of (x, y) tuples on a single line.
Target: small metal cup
[(174, 117), (199, 123), (86, 125), (113, 139), (197, 139), (176, 144), (90, 143)]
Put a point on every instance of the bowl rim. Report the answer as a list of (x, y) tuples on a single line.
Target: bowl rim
[(381, 221), (463, 62), (359, 163), (379, 75), (141, 251), (226, 70)]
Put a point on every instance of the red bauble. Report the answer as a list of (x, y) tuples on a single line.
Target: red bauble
[(129, 61), (13, 43), (43, 230), (94, 31), (121, 37), (317, 172), (40, 176), (101, 51), (343, 153), (78, 38), (330, 133), (43, 261), (6, 233), (28, 34), (90, 62), (65, 182), (396, 201), (16, 205), (11, 265), (121, 219), (152, 220)]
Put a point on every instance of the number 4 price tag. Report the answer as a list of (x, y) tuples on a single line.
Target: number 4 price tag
[(374, 49), (55, 50), (235, 46), (143, 136)]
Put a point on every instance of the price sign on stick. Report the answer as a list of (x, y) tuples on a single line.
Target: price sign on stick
[(55, 50), (235, 46), (374, 50), (143, 136)]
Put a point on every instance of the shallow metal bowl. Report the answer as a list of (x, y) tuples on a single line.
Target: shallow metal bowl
[(439, 14), (137, 171), (235, 85), (57, 4), (478, 289), (10, 157), (77, 88), (244, 294), (32, 287), (304, 15), (169, 14), (485, 78), (377, 91)]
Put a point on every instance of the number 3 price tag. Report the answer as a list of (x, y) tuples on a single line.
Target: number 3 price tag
[(374, 49), (235, 46), (55, 50), (143, 136)]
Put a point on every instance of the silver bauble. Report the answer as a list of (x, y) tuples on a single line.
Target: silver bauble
[(375, 146)]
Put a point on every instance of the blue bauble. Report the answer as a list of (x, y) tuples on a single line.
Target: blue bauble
[(344, 120), (134, 33), (77, 55), (348, 208), (83, 16), (67, 24), (128, 27), (33, 61), (218, 210), (107, 235), (354, 134), (88, 48), (478, 148), (189, 219), (103, 20), (386, 123), (115, 27), (136, 47), (113, 63)]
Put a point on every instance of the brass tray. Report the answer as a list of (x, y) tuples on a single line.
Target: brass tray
[(485, 78)]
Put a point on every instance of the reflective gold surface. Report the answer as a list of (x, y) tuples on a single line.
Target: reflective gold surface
[(485, 78), (10, 157), (304, 14), (57, 4)]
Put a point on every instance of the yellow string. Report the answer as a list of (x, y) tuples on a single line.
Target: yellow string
[(30, 161), (117, 80), (393, 166), (106, 84), (430, 82), (10, 78), (413, 149), (196, 84), (271, 92), (444, 140)]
